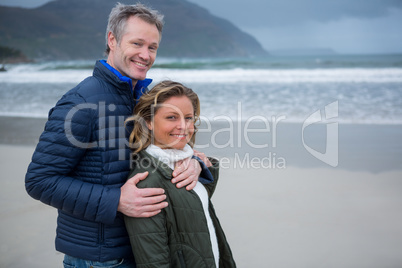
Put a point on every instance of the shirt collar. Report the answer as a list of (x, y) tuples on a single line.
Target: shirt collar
[(138, 86)]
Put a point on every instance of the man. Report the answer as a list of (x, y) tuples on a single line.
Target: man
[(82, 161)]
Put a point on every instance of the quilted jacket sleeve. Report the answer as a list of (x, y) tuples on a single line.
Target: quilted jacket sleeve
[(149, 236), (214, 170), (206, 175), (149, 241), (50, 176)]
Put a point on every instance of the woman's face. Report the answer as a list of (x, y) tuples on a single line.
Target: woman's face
[(173, 124)]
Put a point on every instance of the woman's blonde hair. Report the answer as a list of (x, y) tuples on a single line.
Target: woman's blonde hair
[(148, 105)]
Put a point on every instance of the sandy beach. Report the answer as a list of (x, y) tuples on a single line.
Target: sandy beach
[(28, 227), (304, 213)]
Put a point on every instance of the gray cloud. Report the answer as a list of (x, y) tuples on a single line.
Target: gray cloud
[(23, 3), (347, 26), (254, 13)]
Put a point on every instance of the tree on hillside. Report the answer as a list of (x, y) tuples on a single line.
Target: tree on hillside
[(11, 55)]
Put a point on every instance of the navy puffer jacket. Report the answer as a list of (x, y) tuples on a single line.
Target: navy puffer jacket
[(82, 160)]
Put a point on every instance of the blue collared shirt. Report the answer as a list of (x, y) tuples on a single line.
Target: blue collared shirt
[(140, 87)]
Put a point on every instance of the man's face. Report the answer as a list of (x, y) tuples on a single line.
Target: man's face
[(136, 53)]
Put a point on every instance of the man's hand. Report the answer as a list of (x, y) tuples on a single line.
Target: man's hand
[(186, 173), (141, 203), (203, 158)]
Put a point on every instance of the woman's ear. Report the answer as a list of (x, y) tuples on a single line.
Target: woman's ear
[(149, 125)]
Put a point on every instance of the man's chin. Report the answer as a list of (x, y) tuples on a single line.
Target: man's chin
[(139, 77)]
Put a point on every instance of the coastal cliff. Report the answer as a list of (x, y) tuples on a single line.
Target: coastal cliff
[(75, 29)]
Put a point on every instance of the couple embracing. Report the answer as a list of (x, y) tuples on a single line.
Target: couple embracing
[(144, 205)]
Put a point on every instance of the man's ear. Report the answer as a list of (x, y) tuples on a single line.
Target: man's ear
[(111, 41)]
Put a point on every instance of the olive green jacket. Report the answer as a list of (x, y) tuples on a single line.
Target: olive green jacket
[(179, 235)]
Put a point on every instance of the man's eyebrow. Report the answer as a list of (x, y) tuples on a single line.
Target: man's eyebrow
[(143, 40)]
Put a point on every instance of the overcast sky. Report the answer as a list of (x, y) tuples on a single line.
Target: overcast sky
[(347, 26)]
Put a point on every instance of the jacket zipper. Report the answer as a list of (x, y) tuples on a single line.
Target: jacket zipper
[(181, 259)]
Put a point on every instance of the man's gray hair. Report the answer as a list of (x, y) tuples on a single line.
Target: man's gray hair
[(121, 13)]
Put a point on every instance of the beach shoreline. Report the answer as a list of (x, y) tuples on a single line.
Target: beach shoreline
[(360, 147)]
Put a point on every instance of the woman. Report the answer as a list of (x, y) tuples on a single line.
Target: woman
[(187, 233)]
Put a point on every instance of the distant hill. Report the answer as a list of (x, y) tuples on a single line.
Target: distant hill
[(75, 29), (304, 52)]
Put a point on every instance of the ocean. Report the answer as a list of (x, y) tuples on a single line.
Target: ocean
[(366, 89)]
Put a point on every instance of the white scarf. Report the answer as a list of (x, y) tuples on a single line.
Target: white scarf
[(170, 156)]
